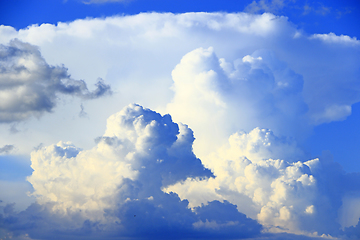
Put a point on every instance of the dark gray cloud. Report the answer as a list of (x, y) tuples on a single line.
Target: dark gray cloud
[(6, 149), (30, 87)]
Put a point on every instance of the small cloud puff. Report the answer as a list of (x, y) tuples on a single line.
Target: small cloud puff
[(6, 149), (29, 86)]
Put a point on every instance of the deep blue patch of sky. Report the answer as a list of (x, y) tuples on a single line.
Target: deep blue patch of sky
[(340, 17), (15, 168), (341, 138)]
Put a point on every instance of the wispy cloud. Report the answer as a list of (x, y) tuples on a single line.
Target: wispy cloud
[(6, 149), (278, 6), (318, 9), (272, 6), (333, 38)]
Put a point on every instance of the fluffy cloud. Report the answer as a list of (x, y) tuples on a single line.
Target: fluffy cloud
[(236, 76), (29, 86), (329, 72), (283, 195), (114, 189), (255, 90), (142, 177), (138, 146)]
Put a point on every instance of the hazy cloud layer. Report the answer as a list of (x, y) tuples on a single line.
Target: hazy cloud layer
[(30, 87)]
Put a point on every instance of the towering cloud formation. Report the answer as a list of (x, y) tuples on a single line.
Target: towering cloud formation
[(140, 150), (127, 185), (250, 86), (29, 86), (115, 188), (256, 90)]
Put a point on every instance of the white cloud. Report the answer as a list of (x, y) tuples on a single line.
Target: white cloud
[(340, 112), (280, 192), (231, 72), (139, 145), (333, 38), (291, 196), (104, 189), (114, 189), (252, 91), (106, 48)]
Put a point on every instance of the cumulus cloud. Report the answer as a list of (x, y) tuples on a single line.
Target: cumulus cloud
[(138, 145), (142, 177), (284, 195), (249, 170), (255, 90), (29, 86), (261, 73), (114, 189), (153, 37)]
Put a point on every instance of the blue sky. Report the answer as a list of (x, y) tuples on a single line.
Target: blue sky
[(321, 17), (116, 116)]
